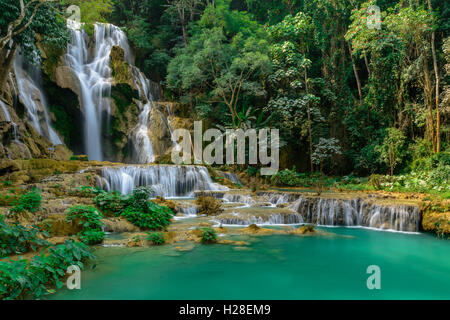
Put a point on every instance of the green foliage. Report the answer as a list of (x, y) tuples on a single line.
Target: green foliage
[(391, 149), (136, 208), (157, 238), (47, 23), (30, 201), (148, 216), (17, 239), (209, 235), (89, 219), (110, 203), (19, 278)]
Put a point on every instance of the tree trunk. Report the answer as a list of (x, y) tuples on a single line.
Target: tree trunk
[(428, 97), (355, 71), (436, 74), (309, 125), (7, 59)]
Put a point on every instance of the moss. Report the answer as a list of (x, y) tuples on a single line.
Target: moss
[(64, 105), (123, 96), (120, 68)]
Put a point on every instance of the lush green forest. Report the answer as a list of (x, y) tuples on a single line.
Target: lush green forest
[(372, 99), (375, 98)]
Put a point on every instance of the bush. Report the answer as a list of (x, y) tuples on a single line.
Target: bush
[(17, 239), (90, 221), (30, 201), (208, 206), (209, 235), (110, 203), (22, 277), (157, 238), (148, 216)]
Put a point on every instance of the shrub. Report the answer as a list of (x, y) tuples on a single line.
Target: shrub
[(35, 276), (30, 201), (157, 238), (208, 205), (17, 239), (90, 221), (148, 216), (110, 203), (209, 235)]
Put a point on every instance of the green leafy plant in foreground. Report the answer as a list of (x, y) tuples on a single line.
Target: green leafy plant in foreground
[(17, 239), (19, 278)]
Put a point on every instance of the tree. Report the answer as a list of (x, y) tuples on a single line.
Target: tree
[(20, 22), (225, 60), (325, 150), (390, 150), (292, 37)]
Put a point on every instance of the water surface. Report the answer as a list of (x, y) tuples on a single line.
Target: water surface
[(413, 266)]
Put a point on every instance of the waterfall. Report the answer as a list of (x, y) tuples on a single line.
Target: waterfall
[(358, 212), (91, 67), (143, 148), (32, 96), (230, 176), (167, 181), (5, 112), (272, 219)]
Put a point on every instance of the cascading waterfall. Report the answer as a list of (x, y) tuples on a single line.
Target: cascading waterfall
[(167, 181), (32, 96), (358, 212), (143, 148), (92, 68), (94, 74)]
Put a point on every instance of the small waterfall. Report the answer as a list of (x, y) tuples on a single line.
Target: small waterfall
[(230, 176), (91, 66), (5, 112), (272, 219), (143, 148), (358, 212), (166, 181), (32, 96)]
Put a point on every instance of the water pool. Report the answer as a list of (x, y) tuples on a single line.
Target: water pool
[(413, 266)]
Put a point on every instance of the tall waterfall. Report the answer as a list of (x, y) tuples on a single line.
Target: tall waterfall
[(32, 96), (358, 212), (92, 68), (94, 74), (167, 181)]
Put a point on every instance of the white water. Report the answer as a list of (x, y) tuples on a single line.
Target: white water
[(143, 148), (5, 111), (167, 181), (358, 213), (91, 66), (33, 98)]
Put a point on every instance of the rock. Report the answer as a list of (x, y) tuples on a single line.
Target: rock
[(66, 78), (208, 206), (135, 242), (167, 203), (305, 229), (119, 225)]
